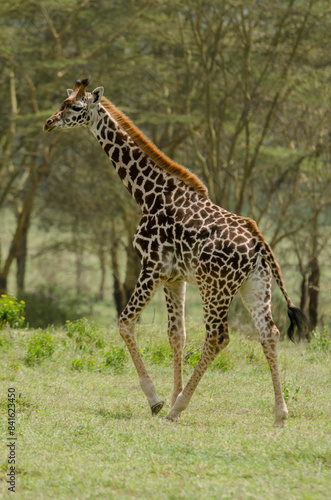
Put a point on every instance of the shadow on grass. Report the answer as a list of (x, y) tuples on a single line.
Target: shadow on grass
[(116, 414)]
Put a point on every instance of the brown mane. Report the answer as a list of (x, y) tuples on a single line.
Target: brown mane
[(152, 151)]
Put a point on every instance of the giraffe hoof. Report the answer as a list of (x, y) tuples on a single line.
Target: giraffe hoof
[(279, 424), (280, 417), (156, 408), (172, 418)]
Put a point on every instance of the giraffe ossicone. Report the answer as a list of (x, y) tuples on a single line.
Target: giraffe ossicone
[(183, 237)]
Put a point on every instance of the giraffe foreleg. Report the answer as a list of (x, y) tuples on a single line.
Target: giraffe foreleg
[(175, 299), (144, 291)]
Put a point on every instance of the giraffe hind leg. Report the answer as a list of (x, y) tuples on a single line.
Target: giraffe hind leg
[(256, 296), (175, 299), (217, 338)]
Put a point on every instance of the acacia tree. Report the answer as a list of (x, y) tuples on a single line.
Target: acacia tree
[(41, 43), (85, 199), (234, 91), (246, 105)]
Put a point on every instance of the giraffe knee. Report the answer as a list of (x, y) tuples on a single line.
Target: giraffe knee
[(270, 340), (126, 327), (273, 334), (218, 339), (222, 341)]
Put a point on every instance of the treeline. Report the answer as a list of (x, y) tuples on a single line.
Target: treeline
[(239, 92)]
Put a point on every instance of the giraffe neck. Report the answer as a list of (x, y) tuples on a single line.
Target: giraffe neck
[(145, 181)]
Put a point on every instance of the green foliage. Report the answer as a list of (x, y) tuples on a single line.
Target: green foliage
[(11, 312), (290, 394), (85, 362), (47, 306), (89, 338), (40, 346), (221, 363), (116, 358), (86, 334), (320, 341), (157, 353), (78, 364), (5, 340), (193, 356)]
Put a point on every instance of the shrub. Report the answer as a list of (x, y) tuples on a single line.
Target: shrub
[(85, 333), (157, 353), (11, 312), (116, 358), (290, 394), (320, 341), (40, 346), (77, 364), (88, 362), (222, 361), (193, 356), (48, 306)]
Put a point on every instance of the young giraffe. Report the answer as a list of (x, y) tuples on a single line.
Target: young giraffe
[(182, 237)]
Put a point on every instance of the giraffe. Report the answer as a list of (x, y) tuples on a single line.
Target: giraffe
[(183, 237)]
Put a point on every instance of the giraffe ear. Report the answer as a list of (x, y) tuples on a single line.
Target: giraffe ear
[(96, 96), (69, 92)]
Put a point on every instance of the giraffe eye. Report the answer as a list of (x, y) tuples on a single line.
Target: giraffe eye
[(76, 108)]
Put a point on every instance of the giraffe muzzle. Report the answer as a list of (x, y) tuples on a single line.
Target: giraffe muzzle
[(50, 125)]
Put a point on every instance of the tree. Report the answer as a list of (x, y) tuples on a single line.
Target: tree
[(40, 45), (237, 92)]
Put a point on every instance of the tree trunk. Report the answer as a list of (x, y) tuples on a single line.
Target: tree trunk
[(21, 263), (132, 271), (313, 292), (23, 220), (123, 289), (118, 289), (3, 283), (102, 262), (303, 298)]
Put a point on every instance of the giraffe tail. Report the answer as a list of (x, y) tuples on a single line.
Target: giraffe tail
[(297, 317), (299, 320)]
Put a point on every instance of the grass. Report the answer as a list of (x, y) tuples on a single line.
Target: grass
[(84, 429)]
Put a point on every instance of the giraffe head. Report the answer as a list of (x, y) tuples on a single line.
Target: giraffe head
[(77, 109)]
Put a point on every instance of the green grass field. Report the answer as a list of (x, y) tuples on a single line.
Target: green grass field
[(84, 429)]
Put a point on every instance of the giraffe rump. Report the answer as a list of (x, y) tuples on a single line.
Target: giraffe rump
[(297, 318)]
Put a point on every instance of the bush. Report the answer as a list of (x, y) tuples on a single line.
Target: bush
[(85, 333), (88, 362), (157, 353), (40, 346), (11, 312), (320, 341), (222, 361), (116, 358), (45, 307)]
